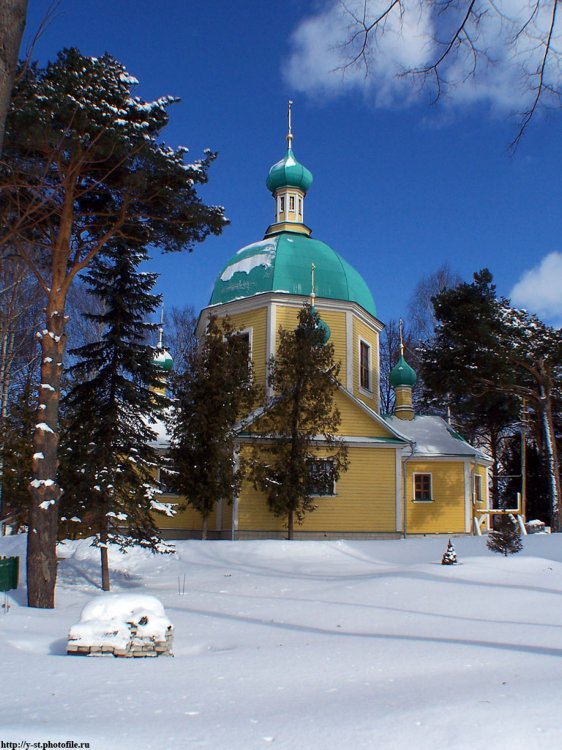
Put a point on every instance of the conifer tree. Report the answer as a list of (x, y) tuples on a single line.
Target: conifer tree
[(214, 391), (450, 555), (300, 455), (109, 465), (83, 166), (16, 455), (505, 538), (488, 356)]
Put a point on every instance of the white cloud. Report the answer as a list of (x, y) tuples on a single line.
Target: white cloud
[(324, 44), (540, 289)]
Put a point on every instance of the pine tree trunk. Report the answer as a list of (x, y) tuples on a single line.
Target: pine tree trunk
[(44, 490), (12, 24), (291, 525), (105, 583), (205, 526)]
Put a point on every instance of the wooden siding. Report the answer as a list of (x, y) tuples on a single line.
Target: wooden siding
[(446, 513), (364, 500), (356, 422)]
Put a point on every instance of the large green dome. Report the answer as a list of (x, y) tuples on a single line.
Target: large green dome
[(288, 172), (282, 263)]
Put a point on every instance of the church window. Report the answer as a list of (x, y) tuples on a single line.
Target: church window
[(365, 365), (321, 480), (300, 206), (422, 488), (282, 204), (292, 203), (478, 498)]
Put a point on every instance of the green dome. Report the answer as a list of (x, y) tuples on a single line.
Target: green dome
[(402, 374), (289, 173), (322, 325), (163, 360), (282, 263)]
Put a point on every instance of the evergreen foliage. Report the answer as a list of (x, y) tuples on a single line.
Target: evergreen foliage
[(300, 451), (109, 464), (214, 391), (485, 357), (505, 538), (83, 167), (16, 456), (450, 555)]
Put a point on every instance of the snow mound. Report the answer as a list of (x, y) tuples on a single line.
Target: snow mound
[(122, 624)]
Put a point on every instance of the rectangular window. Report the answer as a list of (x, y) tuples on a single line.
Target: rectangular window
[(321, 476), (292, 203), (244, 340), (365, 365), (422, 488), (300, 206), (281, 204), (165, 479), (478, 498)]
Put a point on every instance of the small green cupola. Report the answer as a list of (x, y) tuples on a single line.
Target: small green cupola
[(402, 374), (288, 181), (402, 379)]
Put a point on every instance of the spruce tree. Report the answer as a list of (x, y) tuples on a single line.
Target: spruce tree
[(450, 555), (214, 391), (300, 422), (109, 467), (83, 165), (505, 538)]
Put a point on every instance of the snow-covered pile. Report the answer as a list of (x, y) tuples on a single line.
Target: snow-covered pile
[(123, 625)]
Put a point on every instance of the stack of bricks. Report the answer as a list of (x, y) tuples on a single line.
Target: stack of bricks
[(137, 646)]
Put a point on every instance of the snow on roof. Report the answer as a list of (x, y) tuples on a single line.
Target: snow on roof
[(434, 437)]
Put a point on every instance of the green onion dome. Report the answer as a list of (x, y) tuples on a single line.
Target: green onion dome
[(289, 173), (163, 360), (322, 325), (281, 263), (402, 374)]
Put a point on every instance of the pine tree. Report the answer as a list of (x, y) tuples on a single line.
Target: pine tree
[(109, 462), (215, 390), (450, 555), (292, 463), (83, 166), (487, 356), (505, 538)]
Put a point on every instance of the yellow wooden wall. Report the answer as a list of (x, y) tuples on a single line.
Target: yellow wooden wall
[(365, 499), (446, 514)]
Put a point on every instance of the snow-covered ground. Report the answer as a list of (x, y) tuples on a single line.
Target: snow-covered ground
[(302, 646)]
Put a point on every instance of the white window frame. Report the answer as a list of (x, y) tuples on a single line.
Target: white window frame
[(362, 388), (167, 493), (422, 474), (328, 460)]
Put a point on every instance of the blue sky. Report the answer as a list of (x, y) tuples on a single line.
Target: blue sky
[(400, 186)]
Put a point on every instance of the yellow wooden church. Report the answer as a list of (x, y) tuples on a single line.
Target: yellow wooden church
[(408, 474)]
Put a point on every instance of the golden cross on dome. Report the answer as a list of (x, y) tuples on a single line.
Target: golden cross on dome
[(312, 295), (289, 119), (401, 326)]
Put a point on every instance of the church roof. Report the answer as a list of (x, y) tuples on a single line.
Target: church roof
[(434, 437), (282, 263)]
